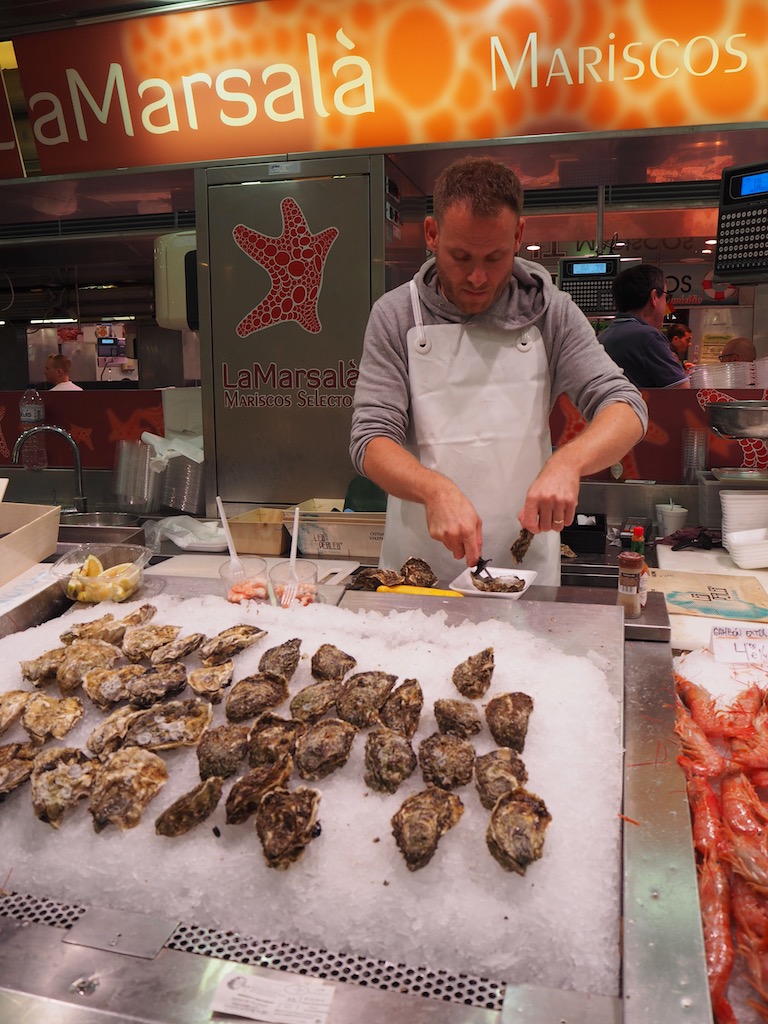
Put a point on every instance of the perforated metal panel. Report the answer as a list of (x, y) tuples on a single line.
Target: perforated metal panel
[(282, 956)]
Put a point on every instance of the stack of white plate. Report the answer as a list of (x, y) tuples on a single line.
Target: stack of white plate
[(744, 527), (723, 375)]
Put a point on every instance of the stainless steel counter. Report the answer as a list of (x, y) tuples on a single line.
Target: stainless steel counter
[(46, 973)]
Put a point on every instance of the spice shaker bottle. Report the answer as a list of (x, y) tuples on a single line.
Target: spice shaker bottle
[(630, 569)]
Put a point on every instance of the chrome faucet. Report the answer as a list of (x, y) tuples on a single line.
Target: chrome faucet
[(81, 502)]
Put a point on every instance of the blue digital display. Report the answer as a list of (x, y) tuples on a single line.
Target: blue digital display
[(590, 268), (754, 184)]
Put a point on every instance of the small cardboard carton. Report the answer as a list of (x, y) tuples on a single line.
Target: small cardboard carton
[(28, 534), (325, 531), (259, 532)]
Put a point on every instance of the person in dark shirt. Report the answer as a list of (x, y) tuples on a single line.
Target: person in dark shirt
[(634, 341), (679, 337)]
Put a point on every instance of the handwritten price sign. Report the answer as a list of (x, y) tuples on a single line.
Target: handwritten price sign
[(740, 644)]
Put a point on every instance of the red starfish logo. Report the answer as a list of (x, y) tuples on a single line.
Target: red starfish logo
[(294, 261)]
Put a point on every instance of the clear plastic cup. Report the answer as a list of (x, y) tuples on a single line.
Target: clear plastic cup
[(306, 573), (249, 585)]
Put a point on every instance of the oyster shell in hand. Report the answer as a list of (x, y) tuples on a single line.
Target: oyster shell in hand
[(221, 750), (211, 680), (457, 717), (473, 676), (282, 660), (285, 824), (176, 649), (246, 793), (140, 641), (421, 821), (324, 747), (253, 695), (417, 573), (401, 710), (124, 785), (16, 762), (446, 761), (179, 723), (315, 701), (12, 704), (361, 696), (389, 760), (39, 670), (330, 663), (520, 547), (507, 716), (228, 643), (498, 772), (81, 656), (44, 716), (271, 737), (60, 777), (190, 809), (515, 834)]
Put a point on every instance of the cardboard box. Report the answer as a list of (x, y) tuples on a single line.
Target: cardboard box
[(260, 532), (325, 531), (28, 534)]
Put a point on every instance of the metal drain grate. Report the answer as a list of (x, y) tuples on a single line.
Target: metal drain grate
[(282, 956)]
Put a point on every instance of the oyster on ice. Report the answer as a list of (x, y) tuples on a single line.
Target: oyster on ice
[(190, 809), (272, 736), (507, 716), (155, 684), (515, 834), (457, 717), (282, 660), (417, 573), (314, 701), (108, 628), (211, 680), (228, 643), (520, 547), (107, 686), (124, 785), (501, 771), (421, 821), (16, 762), (473, 676), (109, 734), (44, 716), (60, 777), (81, 656), (221, 750), (285, 824), (389, 760), (140, 641), (446, 761), (179, 723), (401, 710), (43, 668), (176, 649), (12, 704), (253, 695), (330, 663), (372, 578), (324, 747), (362, 695), (246, 792)]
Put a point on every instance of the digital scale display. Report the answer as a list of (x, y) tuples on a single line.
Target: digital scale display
[(589, 280), (742, 225)]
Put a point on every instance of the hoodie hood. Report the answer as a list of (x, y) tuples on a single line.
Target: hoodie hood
[(522, 304)]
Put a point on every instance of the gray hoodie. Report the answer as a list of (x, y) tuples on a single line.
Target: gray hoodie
[(578, 364)]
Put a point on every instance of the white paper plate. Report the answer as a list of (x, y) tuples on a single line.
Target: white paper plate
[(464, 583)]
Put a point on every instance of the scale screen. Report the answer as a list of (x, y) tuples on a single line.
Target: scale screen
[(589, 279), (742, 225)]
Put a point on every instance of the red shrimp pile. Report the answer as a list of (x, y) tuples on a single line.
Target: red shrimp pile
[(724, 754)]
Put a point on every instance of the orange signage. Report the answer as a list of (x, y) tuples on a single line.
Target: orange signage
[(281, 77)]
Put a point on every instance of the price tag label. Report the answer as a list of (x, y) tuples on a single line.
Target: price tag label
[(740, 644), (288, 1000)]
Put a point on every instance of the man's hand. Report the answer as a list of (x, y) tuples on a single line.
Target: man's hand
[(551, 500)]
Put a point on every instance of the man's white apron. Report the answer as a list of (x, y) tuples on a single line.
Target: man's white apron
[(480, 414)]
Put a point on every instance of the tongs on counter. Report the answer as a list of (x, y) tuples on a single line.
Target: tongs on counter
[(480, 571)]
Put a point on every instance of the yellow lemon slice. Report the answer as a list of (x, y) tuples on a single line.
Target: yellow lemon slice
[(90, 567)]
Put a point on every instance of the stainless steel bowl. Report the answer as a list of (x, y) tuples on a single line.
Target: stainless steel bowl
[(739, 419)]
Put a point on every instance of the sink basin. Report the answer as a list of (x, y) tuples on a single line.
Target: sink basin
[(98, 519), (76, 531)]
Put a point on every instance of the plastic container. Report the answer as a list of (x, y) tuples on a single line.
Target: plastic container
[(250, 585), (281, 575), (630, 569), (34, 454), (92, 573)]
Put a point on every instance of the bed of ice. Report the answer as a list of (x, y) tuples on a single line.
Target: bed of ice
[(351, 893)]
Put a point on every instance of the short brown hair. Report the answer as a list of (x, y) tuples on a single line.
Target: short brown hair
[(485, 184), (60, 362)]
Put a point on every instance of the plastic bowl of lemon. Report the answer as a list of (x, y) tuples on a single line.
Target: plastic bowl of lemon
[(92, 573)]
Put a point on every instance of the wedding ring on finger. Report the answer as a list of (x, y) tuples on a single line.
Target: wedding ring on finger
[(558, 522)]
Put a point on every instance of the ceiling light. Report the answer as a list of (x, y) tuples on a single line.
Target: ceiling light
[(55, 320), (533, 248), (711, 241), (706, 250), (619, 245)]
